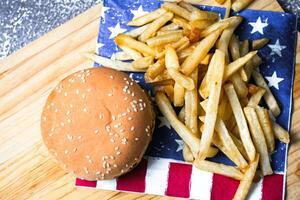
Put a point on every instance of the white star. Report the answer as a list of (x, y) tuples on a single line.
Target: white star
[(258, 26), (103, 12), (180, 145), (138, 13), (274, 80), (276, 48), (116, 30), (164, 122)]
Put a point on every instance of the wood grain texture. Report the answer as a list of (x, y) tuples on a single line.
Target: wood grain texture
[(26, 79)]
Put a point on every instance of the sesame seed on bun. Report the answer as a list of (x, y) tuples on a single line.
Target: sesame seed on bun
[(98, 123)]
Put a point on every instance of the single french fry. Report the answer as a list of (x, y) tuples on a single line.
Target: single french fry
[(187, 6), (233, 67), (201, 50), (259, 43), (178, 10), (266, 125), (114, 64), (143, 62), (181, 23), (212, 104), (125, 40), (179, 93), (134, 33), (268, 96), (225, 37), (280, 133), (191, 105), (155, 69), (156, 25), (246, 182), (122, 56), (169, 90), (166, 109), (169, 27), (135, 55), (239, 5), (239, 85), (221, 25), (160, 32), (200, 15), (147, 18), (228, 7), (218, 169), (163, 39), (240, 120), (171, 58)]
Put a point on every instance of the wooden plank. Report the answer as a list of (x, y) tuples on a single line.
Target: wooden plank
[(27, 77)]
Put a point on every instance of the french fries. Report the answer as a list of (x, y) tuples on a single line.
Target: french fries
[(185, 52), (259, 140), (212, 104), (147, 18), (241, 121), (246, 181), (268, 96)]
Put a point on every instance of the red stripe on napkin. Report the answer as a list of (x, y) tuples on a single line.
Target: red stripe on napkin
[(179, 180), (272, 187), (223, 188), (134, 181), (85, 183)]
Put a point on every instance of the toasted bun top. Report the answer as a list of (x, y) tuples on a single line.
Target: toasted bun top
[(98, 123)]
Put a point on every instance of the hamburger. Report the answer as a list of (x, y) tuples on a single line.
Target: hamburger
[(98, 123)]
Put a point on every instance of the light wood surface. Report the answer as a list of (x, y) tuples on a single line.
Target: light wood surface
[(27, 77)]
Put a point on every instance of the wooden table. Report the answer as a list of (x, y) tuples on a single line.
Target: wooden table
[(27, 77)]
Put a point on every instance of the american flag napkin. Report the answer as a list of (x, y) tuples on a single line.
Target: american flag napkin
[(163, 170)]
